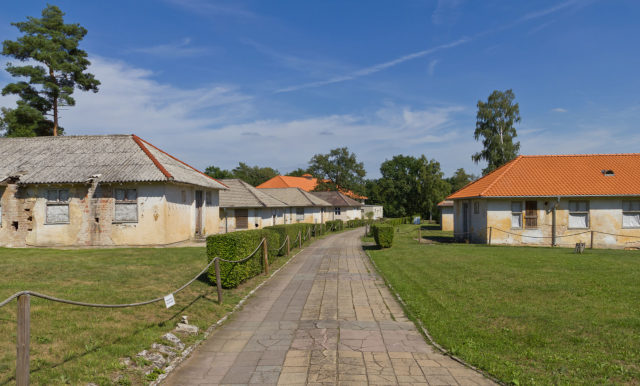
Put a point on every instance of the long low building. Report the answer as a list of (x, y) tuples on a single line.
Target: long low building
[(101, 190), (554, 200), (244, 207), (302, 206), (342, 207)]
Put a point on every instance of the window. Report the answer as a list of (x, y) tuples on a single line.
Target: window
[(337, 211), (57, 206), (209, 198), (531, 214), (476, 207), (299, 214), (631, 214), (578, 214), (516, 214), (126, 208)]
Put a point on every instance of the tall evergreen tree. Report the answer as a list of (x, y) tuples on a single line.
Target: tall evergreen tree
[(60, 66), (495, 125)]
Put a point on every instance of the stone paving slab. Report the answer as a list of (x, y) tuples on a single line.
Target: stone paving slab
[(325, 319)]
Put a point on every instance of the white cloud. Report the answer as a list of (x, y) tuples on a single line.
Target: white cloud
[(432, 66), (446, 11), (181, 48), (217, 8), (559, 110)]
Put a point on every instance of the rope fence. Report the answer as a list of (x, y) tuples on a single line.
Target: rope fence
[(24, 302)]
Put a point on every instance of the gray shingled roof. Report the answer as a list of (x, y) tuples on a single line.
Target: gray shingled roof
[(296, 197), (74, 159), (337, 198), (243, 195)]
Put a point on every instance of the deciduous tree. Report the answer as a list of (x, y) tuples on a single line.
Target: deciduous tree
[(216, 172), (338, 168), (254, 175), (495, 125), (55, 68), (459, 179)]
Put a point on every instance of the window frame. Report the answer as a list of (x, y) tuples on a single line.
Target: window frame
[(299, 213), (587, 212), (627, 212), (520, 214), (125, 201), (476, 207), (57, 202), (337, 210), (524, 223)]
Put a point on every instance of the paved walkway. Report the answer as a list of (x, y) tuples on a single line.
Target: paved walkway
[(325, 319)]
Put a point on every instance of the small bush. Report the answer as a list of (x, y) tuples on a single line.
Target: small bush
[(237, 246), (383, 235), (356, 223), (335, 225)]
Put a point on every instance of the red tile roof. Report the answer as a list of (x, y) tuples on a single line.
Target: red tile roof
[(560, 175), (307, 183)]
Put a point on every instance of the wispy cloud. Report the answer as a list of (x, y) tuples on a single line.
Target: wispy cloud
[(217, 8), (182, 48), (558, 7), (432, 66), (375, 68), (446, 11), (559, 110)]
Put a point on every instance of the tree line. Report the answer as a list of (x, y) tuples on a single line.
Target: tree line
[(51, 66)]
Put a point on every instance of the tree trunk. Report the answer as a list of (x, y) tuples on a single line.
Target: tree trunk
[(55, 104)]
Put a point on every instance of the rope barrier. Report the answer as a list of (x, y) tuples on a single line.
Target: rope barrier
[(246, 258), (284, 243)]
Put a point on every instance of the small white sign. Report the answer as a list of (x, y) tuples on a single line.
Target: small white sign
[(169, 300)]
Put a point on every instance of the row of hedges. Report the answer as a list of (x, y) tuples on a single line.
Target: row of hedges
[(383, 235), (357, 223), (238, 245), (397, 221)]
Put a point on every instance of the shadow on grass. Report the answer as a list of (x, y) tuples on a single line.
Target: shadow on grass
[(371, 247)]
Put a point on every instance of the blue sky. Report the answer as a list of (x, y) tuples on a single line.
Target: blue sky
[(272, 83)]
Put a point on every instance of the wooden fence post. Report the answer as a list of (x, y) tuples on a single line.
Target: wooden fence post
[(591, 240), (490, 234), (288, 246), (22, 347), (216, 264), (265, 255)]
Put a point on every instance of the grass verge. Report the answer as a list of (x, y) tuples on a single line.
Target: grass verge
[(78, 345), (526, 315)]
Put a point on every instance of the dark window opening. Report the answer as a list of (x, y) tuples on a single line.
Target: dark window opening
[(531, 214), (15, 225)]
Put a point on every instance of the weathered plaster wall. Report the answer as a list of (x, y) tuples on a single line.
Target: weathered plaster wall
[(446, 218), (605, 215), (211, 222), (165, 216)]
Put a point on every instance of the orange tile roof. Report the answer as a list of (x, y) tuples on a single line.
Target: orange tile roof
[(305, 183), (559, 175)]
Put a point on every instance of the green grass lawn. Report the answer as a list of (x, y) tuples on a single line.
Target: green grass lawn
[(526, 315), (77, 345)]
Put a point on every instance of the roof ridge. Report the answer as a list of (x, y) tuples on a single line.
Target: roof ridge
[(175, 159), (153, 159), (242, 182), (506, 168), (578, 155), (304, 193)]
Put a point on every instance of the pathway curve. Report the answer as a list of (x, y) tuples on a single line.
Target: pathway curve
[(325, 319)]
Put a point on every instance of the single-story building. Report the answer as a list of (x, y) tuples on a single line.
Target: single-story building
[(554, 200), (446, 215), (377, 210), (244, 207), (100, 190), (307, 183), (342, 207), (303, 206)]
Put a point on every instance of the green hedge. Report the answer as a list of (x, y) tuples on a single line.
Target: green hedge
[(237, 246), (335, 225), (397, 221), (356, 223), (383, 235)]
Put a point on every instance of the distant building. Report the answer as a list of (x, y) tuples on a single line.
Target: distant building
[(377, 210), (446, 215), (554, 199), (342, 207), (307, 183), (244, 207), (100, 190), (303, 207)]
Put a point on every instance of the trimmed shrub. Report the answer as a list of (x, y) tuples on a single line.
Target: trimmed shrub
[(383, 235), (356, 223), (335, 225), (292, 230), (237, 246)]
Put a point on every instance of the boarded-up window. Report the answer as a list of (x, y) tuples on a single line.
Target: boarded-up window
[(516, 214), (578, 214), (57, 206), (631, 214), (299, 214), (242, 218), (531, 214), (126, 207), (476, 207)]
